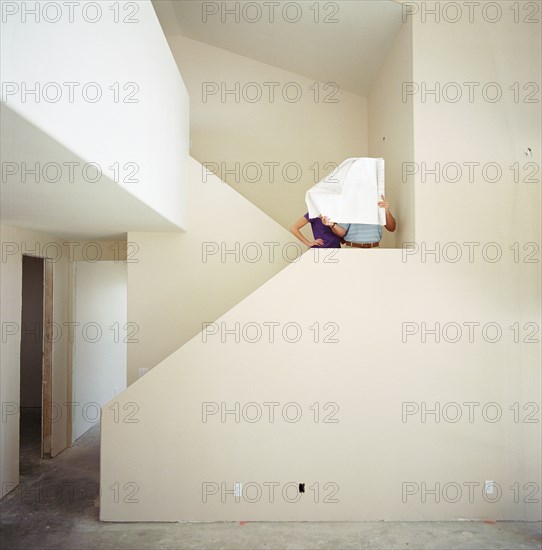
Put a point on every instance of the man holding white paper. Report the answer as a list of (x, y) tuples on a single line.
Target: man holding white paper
[(362, 235), (351, 201)]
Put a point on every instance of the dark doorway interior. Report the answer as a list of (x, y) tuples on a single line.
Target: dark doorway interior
[(31, 400)]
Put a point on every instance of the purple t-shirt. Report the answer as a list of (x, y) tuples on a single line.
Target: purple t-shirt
[(321, 231)]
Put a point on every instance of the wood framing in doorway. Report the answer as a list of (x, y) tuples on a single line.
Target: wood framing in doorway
[(47, 361)]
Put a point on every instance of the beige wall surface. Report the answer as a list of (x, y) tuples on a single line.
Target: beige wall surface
[(100, 350), (351, 377), (318, 126), (176, 282), (391, 134), (485, 114)]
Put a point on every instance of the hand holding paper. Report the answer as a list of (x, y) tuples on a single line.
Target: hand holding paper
[(351, 193)]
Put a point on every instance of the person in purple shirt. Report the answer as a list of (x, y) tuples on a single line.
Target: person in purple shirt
[(323, 235)]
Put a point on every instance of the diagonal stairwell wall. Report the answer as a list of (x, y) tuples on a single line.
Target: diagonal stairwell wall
[(177, 281), (329, 376)]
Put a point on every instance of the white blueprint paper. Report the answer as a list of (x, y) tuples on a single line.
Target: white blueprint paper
[(350, 193)]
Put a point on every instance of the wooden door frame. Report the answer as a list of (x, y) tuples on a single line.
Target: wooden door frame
[(47, 362)]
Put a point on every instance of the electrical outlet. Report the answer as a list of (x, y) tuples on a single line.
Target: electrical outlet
[(488, 488), (237, 489)]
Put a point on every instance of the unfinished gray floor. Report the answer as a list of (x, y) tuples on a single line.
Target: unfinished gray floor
[(66, 517)]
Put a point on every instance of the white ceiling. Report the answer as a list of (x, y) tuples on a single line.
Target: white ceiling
[(349, 52)]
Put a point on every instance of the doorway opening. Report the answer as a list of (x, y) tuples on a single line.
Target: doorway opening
[(35, 404)]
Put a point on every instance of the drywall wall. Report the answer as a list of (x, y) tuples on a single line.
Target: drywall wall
[(99, 361), (351, 377), (270, 134), (117, 80), (176, 282), (391, 134), (476, 111), (31, 332), (86, 252)]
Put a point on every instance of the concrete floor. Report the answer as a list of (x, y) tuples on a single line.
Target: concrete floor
[(66, 517)]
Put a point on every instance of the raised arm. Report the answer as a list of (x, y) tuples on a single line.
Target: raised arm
[(391, 224)]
